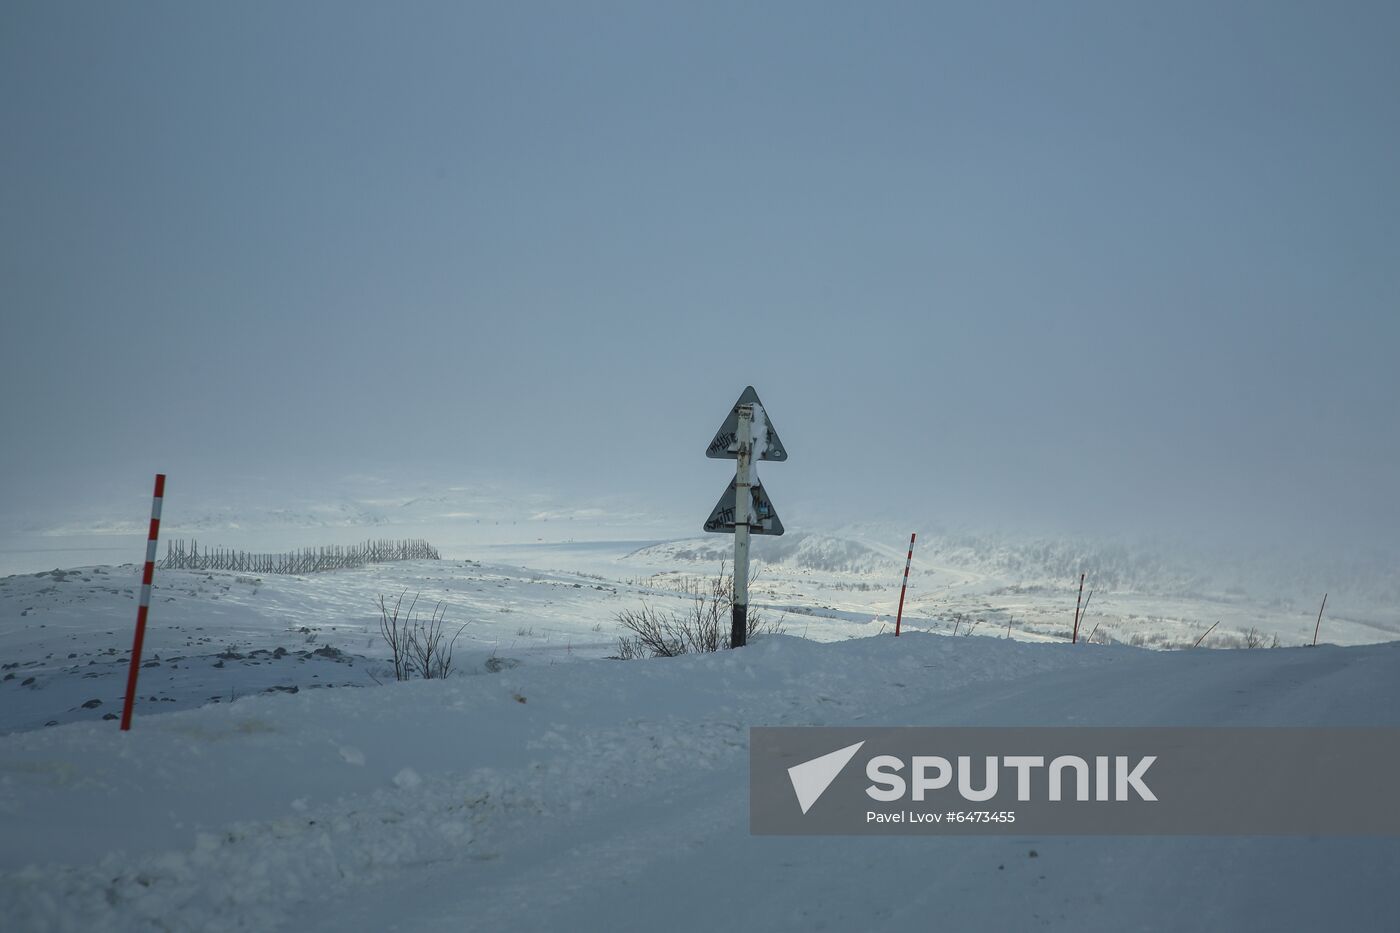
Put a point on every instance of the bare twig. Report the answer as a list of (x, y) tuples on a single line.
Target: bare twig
[(429, 648), (395, 630), (704, 626), (1084, 613), (1317, 628), (1074, 638), (1204, 634)]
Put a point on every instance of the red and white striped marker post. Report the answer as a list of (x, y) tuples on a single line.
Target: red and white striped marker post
[(141, 613), (905, 585)]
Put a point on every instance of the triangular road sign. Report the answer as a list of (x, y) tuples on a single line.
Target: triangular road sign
[(763, 520), (766, 445)]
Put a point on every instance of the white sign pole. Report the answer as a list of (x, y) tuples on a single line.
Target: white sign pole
[(743, 514)]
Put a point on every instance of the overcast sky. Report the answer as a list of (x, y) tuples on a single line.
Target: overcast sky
[(1121, 266)]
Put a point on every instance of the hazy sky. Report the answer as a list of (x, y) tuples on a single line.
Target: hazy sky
[(1131, 266)]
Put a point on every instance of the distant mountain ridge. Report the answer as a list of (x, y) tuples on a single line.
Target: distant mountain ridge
[(1055, 563)]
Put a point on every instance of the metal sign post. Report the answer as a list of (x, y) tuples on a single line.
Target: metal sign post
[(739, 631), (744, 507)]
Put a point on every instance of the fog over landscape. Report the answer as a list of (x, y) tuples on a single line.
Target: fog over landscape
[(1114, 271)]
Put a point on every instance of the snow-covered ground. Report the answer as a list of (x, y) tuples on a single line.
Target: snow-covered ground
[(277, 777), (65, 635), (612, 795)]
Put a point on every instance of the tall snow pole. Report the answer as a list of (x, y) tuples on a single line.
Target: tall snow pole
[(743, 514), (1074, 639), (1318, 627), (147, 575), (905, 585)]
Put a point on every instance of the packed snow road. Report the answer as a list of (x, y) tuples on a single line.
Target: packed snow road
[(611, 795)]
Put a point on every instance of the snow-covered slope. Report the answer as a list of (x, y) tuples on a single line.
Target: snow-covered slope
[(612, 795), (65, 635), (1027, 588), (794, 551)]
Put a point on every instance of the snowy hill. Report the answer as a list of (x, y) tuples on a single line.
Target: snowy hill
[(65, 635), (794, 551), (611, 795), (277, 777), (1026, 587)]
